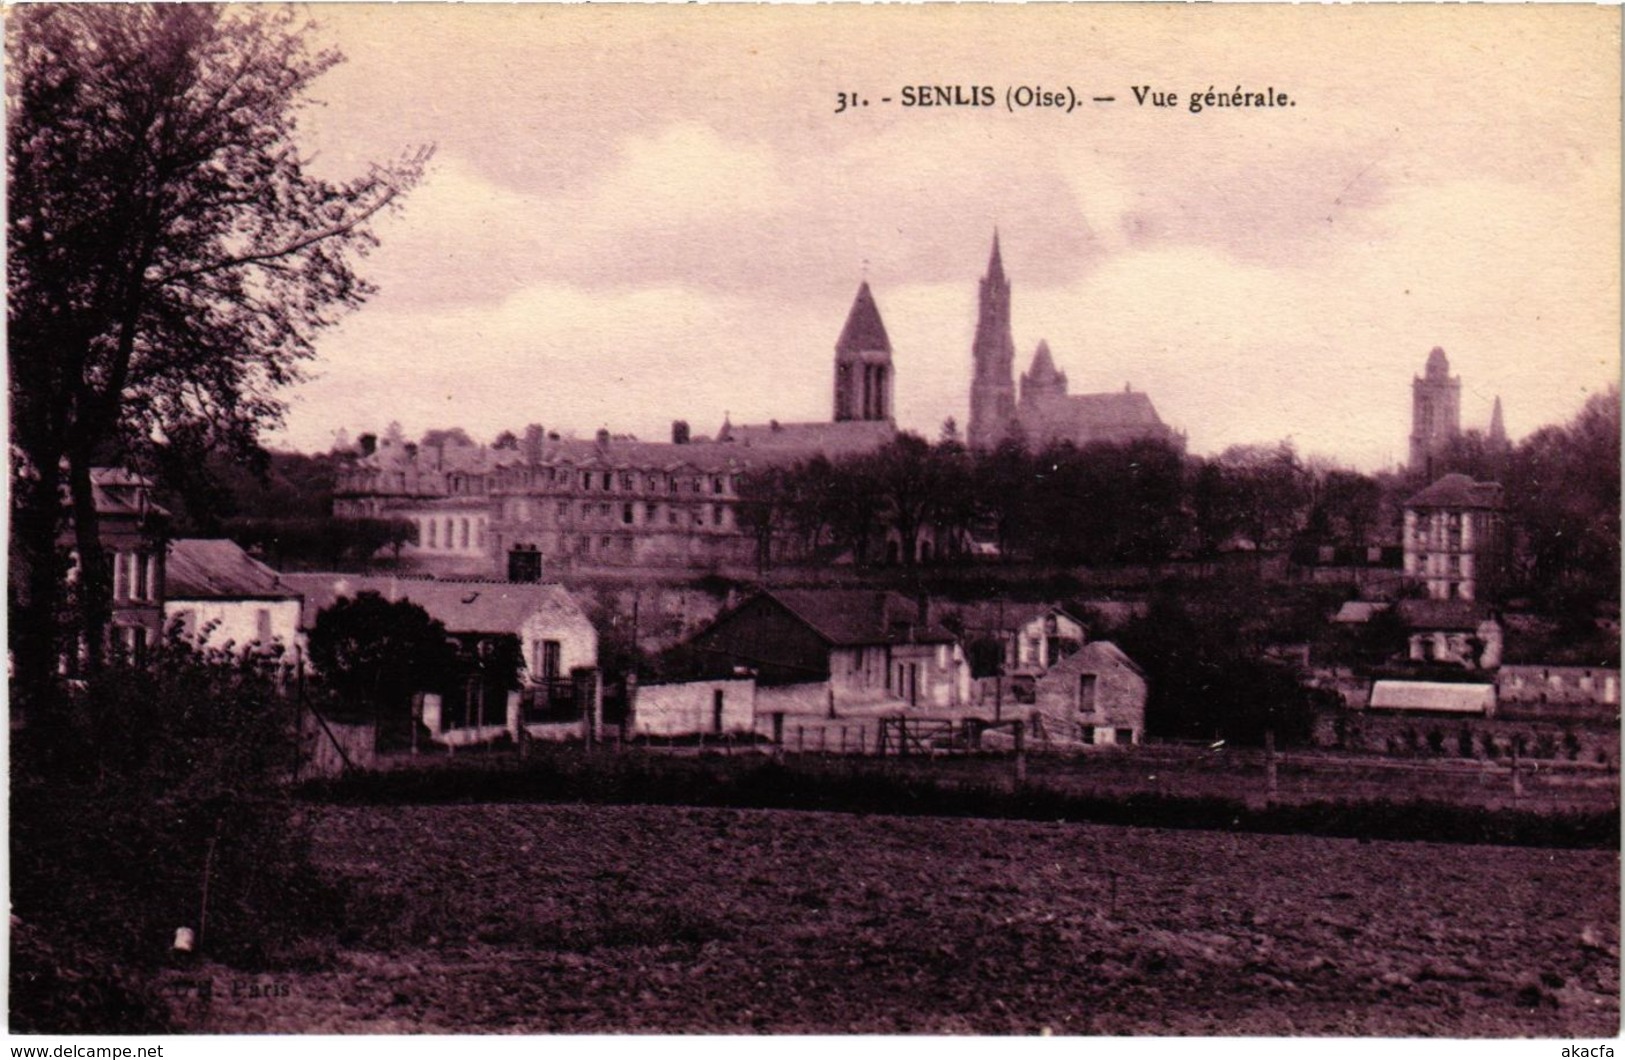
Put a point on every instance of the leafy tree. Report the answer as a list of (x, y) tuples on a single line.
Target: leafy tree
[(375, 653), (170, 258)]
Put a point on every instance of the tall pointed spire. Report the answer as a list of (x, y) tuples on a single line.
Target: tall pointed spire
[(993, 355), (995, 261), (1498, 427)]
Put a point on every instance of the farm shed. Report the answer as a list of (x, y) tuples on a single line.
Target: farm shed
[(1433, 697), (221, 596), (1095, 696), (870, 646)]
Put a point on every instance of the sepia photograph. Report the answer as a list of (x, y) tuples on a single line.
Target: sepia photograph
[(1088, 520)]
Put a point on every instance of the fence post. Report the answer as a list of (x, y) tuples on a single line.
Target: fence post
[(1517, 778), (801, 739), (778, 734), (1271, 783), (843, 739), (1020, 731)]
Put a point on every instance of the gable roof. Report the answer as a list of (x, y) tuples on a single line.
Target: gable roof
[(1444, 614), (208, 569), (854, 617), (462, 607), (1095, 656), (1458, 491)]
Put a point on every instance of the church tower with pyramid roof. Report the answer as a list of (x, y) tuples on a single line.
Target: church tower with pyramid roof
[(863, 367), (993, 355), (1043, 379)]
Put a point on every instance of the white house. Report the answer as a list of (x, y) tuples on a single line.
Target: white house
[(224, 598)]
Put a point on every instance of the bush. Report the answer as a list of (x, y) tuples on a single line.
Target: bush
[(141, 784)]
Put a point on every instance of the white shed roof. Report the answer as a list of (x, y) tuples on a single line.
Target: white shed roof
[(1433, 695)]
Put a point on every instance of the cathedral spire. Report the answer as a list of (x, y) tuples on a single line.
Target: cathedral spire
[(995, 261), (993, 355), (1498, 428)]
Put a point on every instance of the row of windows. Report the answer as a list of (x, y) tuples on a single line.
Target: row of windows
[(135, 577), (458, 532), (627, 514), (618, 481)]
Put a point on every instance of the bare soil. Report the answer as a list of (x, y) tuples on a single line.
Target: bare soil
[(584, 919)]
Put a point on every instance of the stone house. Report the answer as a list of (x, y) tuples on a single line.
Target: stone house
[(1463, 632), (872, 647), (1559, 692), (1031, 637), (556, 639), (1094, 696), (220, 596)]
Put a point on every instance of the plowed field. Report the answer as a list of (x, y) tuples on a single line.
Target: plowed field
[(581, 919)]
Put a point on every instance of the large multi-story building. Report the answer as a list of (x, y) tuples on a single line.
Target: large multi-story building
[(1455, 539), (614, 501), (1045, 413)]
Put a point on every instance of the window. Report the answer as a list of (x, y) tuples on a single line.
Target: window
[(716, 710), (671, 516), (586, 480), (121, 585), (463, 539), (262, 625), (716, 485), (434, 531), (626, 514), (1124, 736), (1086, 733), (545, 659), (139, 565), (629, 482), (1086, 693), (608, 479)]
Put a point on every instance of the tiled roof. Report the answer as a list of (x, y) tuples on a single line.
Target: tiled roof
[(1443, 614), (863, 330), (462, 607), (206, 569), (1086, 415), (1432, 695), (1095, 656), (800, 440), (849, 617), (1458, 491), (1359, 611)]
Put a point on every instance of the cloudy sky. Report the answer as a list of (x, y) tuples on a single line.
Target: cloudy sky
[(640, 214)]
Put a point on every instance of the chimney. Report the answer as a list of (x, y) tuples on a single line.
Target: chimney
[(679, 432), (603, 437), (533, 444)]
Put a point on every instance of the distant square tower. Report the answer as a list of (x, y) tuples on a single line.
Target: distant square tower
[(1435, 414)]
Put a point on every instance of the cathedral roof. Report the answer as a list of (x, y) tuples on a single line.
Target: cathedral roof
[(798, 440), (1083, 418), (863, 330)]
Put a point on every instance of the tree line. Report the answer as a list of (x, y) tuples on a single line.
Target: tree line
[(1138, 502)]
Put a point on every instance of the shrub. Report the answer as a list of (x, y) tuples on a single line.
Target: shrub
[(142, 783)]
